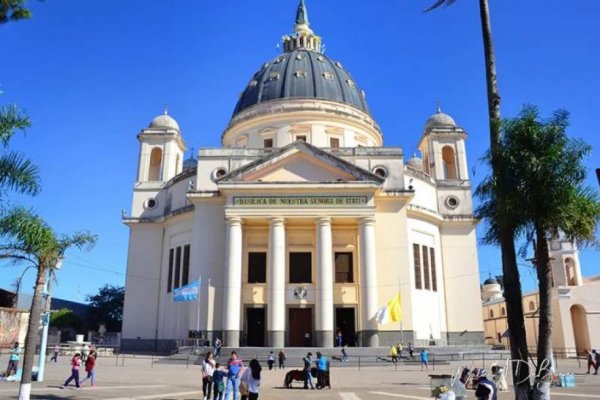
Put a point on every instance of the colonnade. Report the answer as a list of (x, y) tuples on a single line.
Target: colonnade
[(276, 284)]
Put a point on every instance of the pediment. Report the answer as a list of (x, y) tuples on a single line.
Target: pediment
[(300, 162)]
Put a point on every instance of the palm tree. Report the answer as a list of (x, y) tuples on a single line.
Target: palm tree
[(545, 168), (30, 240), (503, 228), (16, 172)]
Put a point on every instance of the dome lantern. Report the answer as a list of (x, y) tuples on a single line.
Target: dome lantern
[(303, 37)]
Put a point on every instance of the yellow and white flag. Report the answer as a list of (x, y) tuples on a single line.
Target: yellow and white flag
[(391, 312)]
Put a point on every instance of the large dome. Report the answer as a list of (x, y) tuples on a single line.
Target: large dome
[(303, 74)]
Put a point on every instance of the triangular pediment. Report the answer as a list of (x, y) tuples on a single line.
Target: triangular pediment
[(300, 162)]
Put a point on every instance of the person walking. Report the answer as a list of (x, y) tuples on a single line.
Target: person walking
[(394, 354), (344, 353), (307, 375), (281, 357), (251, 377), (56, 350), (218, 382), (271, 360), (596, 361), (90, 365), (13, 360), (234, 366), (424, 359), (208, 368), (85, 352), (399, 347), (217, 349), (411, 350), (75, 363), (339, 339)]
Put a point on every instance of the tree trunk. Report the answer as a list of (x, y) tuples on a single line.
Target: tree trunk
[(33, 333), (543, 376), (516, 320), (512, 284)]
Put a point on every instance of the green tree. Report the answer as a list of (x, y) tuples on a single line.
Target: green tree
[(65, 318), (13, 10), (30, 240), (107, 307), (498, 212), (547, 173), (17, 173)]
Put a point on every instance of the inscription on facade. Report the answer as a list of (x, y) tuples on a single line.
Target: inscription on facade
[(299, 201)]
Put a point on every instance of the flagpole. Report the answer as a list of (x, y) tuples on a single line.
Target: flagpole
[(400, 294), (198, 305)]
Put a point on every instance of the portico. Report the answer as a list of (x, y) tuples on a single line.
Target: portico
[(287, 240)]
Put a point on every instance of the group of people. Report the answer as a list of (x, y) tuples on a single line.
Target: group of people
[(281, 357), (89, 361), (396, 354), (225, 382), (322, 367)]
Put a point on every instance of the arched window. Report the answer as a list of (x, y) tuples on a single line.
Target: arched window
[(570, 272), (154, 172), (503, 311), (491, 313), (531, 306), (449, 160)]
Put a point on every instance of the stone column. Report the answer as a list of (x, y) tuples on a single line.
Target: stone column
[(276, 310), (368, 284), (232, 293), (324, 297)]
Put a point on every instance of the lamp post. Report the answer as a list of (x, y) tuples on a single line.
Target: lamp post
[(46, 319)]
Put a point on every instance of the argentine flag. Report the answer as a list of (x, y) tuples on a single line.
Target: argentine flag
[(391, 312), (188, 292)]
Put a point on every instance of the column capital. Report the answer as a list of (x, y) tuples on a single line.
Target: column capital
[(276, 221), (233, 220), (370, 220), (323, 221)]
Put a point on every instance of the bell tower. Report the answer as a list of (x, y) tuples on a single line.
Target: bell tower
[(445, 160), (162, 149)]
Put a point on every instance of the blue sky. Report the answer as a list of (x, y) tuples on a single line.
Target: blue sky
[(92, 74)]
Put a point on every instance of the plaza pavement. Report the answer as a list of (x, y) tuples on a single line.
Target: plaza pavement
[(152, 378)]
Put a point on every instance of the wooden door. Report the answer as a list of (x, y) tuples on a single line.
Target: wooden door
[(300, 323)]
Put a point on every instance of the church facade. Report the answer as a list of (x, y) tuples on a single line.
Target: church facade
[(302, 224)]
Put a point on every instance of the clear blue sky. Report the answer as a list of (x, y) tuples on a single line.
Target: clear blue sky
[(91, 74)]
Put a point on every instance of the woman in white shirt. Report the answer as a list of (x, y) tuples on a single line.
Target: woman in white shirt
[(208, 367), (252, 378)]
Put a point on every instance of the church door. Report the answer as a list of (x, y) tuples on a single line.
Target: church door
[(300, 323), (346, 324), (255, 324)]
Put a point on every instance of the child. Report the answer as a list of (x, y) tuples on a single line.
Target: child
[(75, 363), (218, 382), (90, 363), (271, 360)]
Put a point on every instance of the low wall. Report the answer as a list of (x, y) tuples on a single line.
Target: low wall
[(13, 326)]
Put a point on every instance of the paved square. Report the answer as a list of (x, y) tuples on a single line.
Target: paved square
[(157, 378)]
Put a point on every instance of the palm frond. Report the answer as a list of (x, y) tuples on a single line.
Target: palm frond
[(19, 174), (439, 3), (12, 118)]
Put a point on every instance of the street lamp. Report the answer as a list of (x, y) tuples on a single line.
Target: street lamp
[(46, 318)]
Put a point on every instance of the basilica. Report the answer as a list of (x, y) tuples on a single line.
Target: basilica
[(302, 225)]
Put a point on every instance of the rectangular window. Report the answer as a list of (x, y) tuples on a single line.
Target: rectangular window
[(301, 267), (177, 282), (334, 143), (417, 261), (170, 277), (426, 268), (257, 267), (186, 265), (268, 143), (433, 271), (301, 137), (343, 268)]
